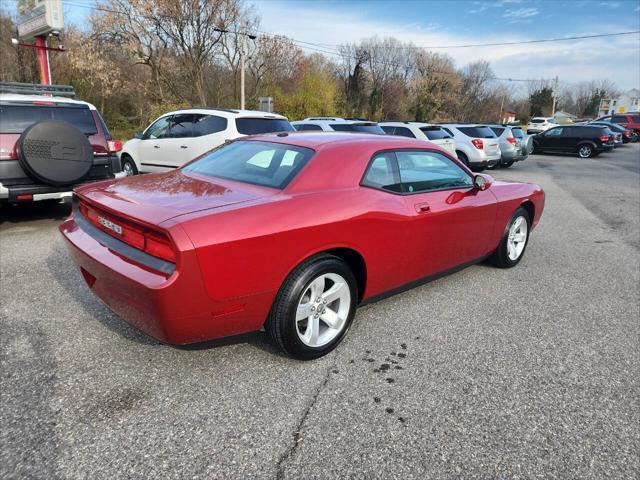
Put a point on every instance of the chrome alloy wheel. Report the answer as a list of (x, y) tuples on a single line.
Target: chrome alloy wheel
[(517, 238), (128, 168), (323, 309), (584, 151)]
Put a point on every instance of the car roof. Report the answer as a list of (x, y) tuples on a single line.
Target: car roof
[(398, 123), (227, 113), (18, 97), (319, 120), (317, 140)]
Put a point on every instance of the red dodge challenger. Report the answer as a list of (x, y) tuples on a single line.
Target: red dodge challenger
[(290, 232)]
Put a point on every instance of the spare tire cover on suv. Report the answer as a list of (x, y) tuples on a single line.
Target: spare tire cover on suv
[(55, 152)]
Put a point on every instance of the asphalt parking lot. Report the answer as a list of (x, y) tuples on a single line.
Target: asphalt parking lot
[(524, 373)]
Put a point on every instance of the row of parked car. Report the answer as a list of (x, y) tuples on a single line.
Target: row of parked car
[(50, 141)]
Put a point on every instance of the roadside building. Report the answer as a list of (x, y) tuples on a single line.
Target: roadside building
[(628, 101), (508, 116)]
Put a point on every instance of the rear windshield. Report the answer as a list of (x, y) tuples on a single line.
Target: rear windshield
[(253, 126), (259, 163), (434, 133), (17, 118), (517, 132), (358, 127), (538, 120), (477, 132)]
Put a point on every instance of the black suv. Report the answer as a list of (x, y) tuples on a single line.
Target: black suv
[(50, 143), (586, 141)]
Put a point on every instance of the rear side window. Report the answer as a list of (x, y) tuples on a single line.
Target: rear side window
[(368, 128), (435, 133), (254, 126), (260, 163), (383, 173), (400, 132), (477, 132), (208, 124), (17, 118), (517, 132), (497, 130), (619, 119), (341, 127), (635, 118), (107, 133), (308, 127)]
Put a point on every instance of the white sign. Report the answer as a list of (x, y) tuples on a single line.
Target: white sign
[(38, 17)]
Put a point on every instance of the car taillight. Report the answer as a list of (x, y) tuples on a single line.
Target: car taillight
[(153, 242), (114, 146), (511, 140), (604, 138), (626, 133), (479, 144)]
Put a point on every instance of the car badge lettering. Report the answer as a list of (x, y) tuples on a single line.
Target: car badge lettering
[(110, 225)]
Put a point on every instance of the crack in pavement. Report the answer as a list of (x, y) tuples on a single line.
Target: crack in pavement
[(290, 452)]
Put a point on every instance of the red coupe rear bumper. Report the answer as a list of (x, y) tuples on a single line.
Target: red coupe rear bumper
[(173, 308)]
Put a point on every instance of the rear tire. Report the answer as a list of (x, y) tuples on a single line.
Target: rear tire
[(514, 240), (314, 308), (463, 158), (585, 151)]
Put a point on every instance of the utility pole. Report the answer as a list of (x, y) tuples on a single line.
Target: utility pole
[(554, 94), (501, 108), (243, 53)]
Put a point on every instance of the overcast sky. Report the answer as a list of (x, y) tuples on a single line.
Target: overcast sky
[(454, 22)]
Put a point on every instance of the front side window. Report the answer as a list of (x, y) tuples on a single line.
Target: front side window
[(619, 119), (254, 126), (159, 129), (423, 171), (260, 163), (181, 126), (383, 173)]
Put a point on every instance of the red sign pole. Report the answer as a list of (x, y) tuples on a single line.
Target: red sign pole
[(42, 52)]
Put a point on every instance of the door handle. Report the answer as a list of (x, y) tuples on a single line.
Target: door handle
[(183, 146), (156, 146), (422, 207)]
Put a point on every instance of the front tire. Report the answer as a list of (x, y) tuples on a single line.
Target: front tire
[(314, 308), (514, 240), (128, 166)]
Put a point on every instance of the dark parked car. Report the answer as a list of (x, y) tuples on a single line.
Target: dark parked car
[(585, 140), (628, 135), (629, 120), (50, 143)]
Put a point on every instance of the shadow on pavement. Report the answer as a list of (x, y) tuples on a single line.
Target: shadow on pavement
[(43, 210)]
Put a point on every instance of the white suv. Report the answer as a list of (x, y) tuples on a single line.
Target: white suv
[(336, 124), (178, 137), (476, 145), (540, 124), (423, 131)]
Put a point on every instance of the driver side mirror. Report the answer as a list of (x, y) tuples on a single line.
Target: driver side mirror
[(482, 182), (138, 135)]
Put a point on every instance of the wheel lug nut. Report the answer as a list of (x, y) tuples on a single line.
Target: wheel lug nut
[(312, 308)]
